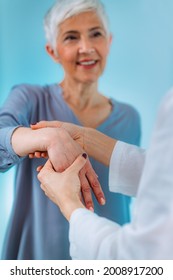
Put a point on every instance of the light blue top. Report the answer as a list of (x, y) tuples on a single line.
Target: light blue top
[(37, 229)]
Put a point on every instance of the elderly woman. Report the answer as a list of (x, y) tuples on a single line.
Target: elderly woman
[(78, 39)]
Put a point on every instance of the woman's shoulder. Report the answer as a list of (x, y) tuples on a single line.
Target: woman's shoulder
[(35, 89), (30, 87)]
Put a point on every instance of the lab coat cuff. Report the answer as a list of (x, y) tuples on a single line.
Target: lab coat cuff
[(114, 168), (75, 222)]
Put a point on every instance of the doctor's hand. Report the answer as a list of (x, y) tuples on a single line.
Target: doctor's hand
[(64, 188)]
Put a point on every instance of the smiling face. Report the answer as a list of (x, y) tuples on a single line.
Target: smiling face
[(82, 47)]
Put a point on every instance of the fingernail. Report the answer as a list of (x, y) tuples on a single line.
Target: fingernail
[(91, 209), (102, 201), (84, 155)]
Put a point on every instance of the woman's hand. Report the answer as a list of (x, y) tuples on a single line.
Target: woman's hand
[(62, 151), (63, 188)]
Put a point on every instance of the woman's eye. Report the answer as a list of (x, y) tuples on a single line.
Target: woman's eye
[(97, 34), (70, 38)]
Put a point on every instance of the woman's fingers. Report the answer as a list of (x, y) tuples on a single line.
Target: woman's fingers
[(77, 168), (94, 183), (89, 181), (86, 191), (38, 155)]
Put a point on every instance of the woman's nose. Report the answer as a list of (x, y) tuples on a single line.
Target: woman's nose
[(86, 47)]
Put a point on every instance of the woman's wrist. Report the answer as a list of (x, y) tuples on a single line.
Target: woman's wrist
[(25, 140)]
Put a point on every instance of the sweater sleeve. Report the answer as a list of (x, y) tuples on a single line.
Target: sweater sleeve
[(7, 155), (13, 114)]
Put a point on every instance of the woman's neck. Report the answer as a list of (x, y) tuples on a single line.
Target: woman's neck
[(80, 96), (89, 106)]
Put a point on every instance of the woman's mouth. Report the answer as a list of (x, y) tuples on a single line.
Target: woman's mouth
[(87, 63)]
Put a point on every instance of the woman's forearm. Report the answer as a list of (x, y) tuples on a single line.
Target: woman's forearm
[(98, 145)]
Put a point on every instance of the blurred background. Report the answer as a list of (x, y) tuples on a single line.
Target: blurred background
[(139, 69)]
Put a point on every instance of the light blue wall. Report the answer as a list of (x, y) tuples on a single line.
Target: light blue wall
[(139, 69)]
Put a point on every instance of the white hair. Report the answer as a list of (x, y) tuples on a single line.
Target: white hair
[(64, 9)]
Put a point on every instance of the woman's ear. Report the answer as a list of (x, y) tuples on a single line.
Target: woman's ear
[(52, 53), (109, 42), (110, 39)]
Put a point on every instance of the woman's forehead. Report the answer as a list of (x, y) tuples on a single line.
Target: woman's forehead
[(88, 20)]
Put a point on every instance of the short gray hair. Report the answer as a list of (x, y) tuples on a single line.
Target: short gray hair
[(64, 9)]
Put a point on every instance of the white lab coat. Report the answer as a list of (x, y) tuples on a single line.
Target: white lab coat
[(150, 233)]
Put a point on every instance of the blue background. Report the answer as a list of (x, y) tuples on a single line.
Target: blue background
[(139, 69)]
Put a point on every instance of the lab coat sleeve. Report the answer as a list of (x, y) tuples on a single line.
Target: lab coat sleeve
[(102, 232), (125, 169)]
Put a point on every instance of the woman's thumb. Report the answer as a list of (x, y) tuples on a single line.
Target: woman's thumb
[(78, 164)]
